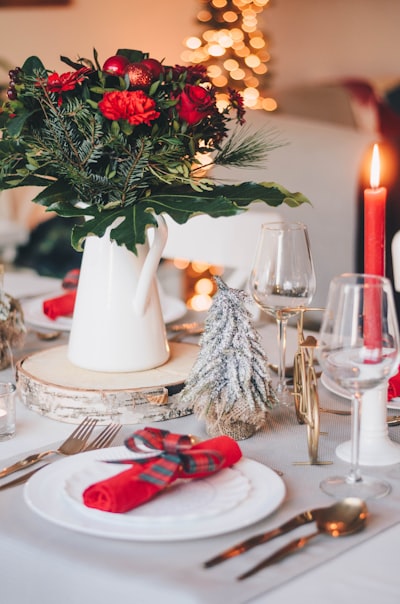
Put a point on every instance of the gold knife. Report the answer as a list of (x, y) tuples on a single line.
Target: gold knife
[(21, 479)]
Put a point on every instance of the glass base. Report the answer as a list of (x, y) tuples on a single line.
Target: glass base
[(7, 435), (284, 395), (366, 488)]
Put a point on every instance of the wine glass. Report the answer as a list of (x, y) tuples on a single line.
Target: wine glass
[(282, 281), (358, 349)]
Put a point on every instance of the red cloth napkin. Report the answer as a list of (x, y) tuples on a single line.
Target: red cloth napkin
[(61, 306), (394, 386), (127, 490)]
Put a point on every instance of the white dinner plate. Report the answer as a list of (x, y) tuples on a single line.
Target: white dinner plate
[(25, 284), (45, 493), (333, 387), (34, 315), (172, 310)]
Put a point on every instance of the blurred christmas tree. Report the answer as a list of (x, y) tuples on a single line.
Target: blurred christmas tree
[(234, 49)]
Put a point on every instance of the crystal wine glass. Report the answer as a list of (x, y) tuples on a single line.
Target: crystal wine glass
[(282, 281), (358, 349)]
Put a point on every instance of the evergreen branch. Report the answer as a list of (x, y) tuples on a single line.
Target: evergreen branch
[(244, 149)]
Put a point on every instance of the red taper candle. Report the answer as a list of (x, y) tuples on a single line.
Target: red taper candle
[(374, 221), (374, 252)]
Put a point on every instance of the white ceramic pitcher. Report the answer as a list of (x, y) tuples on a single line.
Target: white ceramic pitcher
[(117, 324)]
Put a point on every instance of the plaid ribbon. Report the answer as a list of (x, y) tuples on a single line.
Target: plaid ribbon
[(70, 281), (176, 454)]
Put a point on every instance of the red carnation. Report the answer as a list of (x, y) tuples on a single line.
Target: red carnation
[(195, 103), (133, 106)]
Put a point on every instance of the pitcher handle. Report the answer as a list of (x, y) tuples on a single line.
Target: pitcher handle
[(150, 265)]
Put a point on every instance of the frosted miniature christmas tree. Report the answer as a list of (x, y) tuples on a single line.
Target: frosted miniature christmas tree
[(229, 385)]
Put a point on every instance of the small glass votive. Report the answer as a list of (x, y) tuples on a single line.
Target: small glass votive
[(7, 410)]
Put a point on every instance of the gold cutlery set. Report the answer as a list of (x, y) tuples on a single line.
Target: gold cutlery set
[(77, 442), (343, 518)]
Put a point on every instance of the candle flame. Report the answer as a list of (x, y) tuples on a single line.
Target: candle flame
[(375, 168)]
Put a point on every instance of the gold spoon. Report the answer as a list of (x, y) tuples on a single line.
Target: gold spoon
[(186, 329), (48, 336), (344, 518)]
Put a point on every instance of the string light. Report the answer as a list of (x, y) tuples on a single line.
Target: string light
[(234, 49)]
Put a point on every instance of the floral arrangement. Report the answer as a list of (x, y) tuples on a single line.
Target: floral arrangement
[(127, 139)]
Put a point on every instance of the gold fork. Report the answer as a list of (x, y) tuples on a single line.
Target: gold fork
[(73, 444), (104, 438)]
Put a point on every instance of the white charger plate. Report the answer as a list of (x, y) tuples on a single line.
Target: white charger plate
[(336, 389), (172, 310), (45, 494)]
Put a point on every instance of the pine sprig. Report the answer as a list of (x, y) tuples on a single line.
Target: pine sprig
[(245, 149)]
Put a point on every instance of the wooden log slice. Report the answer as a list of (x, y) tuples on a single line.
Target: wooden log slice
[(49, 384)]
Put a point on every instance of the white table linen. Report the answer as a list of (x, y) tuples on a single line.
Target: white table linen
[(44, 563)]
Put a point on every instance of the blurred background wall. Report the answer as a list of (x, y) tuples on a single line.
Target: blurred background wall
[(309, 39)]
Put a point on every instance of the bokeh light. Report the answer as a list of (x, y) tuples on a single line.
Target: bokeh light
[(234, 49)]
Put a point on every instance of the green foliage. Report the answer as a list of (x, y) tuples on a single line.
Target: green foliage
[(132, 166)]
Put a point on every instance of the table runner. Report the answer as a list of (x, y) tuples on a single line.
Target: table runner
[(176, 567)]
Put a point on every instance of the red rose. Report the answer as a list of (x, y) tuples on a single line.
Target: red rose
[(195, 103), (133, 106)]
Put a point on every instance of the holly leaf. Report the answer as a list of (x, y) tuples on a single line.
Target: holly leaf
[(56, 195), (221, 200), (134, 56), (131, 222)]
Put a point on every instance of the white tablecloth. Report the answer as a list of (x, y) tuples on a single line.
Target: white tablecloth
[(44, 563)]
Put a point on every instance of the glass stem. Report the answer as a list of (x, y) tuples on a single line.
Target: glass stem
[(282, 353), (355, 474)]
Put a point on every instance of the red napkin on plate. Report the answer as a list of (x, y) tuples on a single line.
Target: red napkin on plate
[(394, 386), (61, 306), (178, 458)]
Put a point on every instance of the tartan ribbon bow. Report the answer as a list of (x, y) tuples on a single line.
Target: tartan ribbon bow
[(175, 455)]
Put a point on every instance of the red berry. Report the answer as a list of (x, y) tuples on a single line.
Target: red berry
[(139, 76), (116, 65), (154, 66)]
